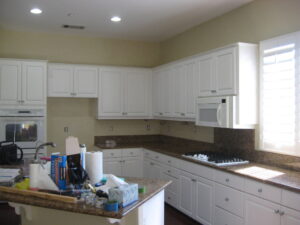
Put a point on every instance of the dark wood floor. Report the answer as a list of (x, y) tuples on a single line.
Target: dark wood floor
[(175, 217), (172, 216)]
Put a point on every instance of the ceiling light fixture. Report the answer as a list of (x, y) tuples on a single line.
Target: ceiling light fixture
[(115, 19), (36, 11)]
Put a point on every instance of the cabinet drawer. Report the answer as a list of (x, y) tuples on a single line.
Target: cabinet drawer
[(171, 198), (148, 154), (131, 152), (223, 217), (291, 199), (171, 171), (195, 168), (112, 153), (174, 186), (166, 160), (263, 190), (229, 199), (229, 180)]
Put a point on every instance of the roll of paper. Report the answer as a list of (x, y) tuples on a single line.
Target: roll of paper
[(94, 166), (34, 175)]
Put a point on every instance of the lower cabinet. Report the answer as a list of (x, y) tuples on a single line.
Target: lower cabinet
[(112, 166), (290, 217), (261, 212), (152, 170), (196, 197)]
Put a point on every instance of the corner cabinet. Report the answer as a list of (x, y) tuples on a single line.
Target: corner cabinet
[(228, 71), (66, 80), (23, 82), (124, 93)]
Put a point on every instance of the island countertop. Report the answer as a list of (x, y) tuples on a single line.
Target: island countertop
[(153, 187)]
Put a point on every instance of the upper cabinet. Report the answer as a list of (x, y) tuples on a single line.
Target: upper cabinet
[(23, 82), (223, 71), (72, 81), (124, 93)]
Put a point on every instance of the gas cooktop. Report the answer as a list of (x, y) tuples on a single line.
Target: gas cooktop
[(215, 158)]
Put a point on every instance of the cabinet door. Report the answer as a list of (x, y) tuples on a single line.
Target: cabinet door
[(226, 72), (110, 101), (34, 83), (167, 93), (146, 169), (187, 193), (191, 89), (60, 81), (113, 166), (10, 82), (132, 167), (86, 81), (204, 201), (179, 81), (157, 86), (290, 217), (260, 212), (206, 75), (136, 93)]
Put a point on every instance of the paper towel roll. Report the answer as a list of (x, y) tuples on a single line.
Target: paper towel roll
[(34, 175), (94, 166)]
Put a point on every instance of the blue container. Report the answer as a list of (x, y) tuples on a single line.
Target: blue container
[(111, 206)]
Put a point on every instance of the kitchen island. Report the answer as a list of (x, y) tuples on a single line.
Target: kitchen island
[(34, 210)]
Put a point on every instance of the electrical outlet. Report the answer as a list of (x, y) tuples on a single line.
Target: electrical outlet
[(148, 127), (66, 129)]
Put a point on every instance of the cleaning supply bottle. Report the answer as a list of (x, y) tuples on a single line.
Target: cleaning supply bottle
[(82, 155)]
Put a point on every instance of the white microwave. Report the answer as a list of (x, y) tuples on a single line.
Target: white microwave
[(213, 111), (225, 112)]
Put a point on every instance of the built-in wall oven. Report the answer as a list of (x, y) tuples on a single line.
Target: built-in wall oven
[(25, 127)]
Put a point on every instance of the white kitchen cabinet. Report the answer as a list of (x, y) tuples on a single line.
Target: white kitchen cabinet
[(261, 212), (22, 82), (290, 217), (66, 80), (123, 162), (231, 70), (152, 170), (175, 88), (113, 166), (187, 197), (124, 93), (204, 201)]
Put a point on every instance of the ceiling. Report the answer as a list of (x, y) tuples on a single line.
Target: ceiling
[(145, 20)]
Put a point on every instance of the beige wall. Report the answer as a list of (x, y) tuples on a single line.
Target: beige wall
[(77, 49), (79, 115), (259, 20)]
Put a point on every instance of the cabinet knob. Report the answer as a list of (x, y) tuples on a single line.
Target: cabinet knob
[(182, 114), (227, 180), (161, 114), (169, 198), (213, 91), (193, 180), (281, 213), (152, 164), (226, 199), (169, 161), (276, 211), (260, 190), (169, 171)]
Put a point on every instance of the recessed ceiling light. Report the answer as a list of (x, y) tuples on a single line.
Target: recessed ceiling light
[(115, 19), (36, 11)]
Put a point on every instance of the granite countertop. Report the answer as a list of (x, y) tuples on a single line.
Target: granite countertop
[(152, 188), (283, 178)]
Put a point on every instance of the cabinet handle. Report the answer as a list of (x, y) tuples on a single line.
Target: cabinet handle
[(152, 164), (124, 113), (182, 114), (161, 114), (281, 213), (260, 190), (213, 91), (226, 199), (193, 180), (169, 161), (227, 180), (169, 198), (169, 171), (276, 211), (22, 101)]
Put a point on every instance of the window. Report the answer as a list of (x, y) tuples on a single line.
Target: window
[(280, 95)]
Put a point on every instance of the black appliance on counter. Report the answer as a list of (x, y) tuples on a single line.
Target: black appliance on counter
[(215, 158), (9, 153)]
